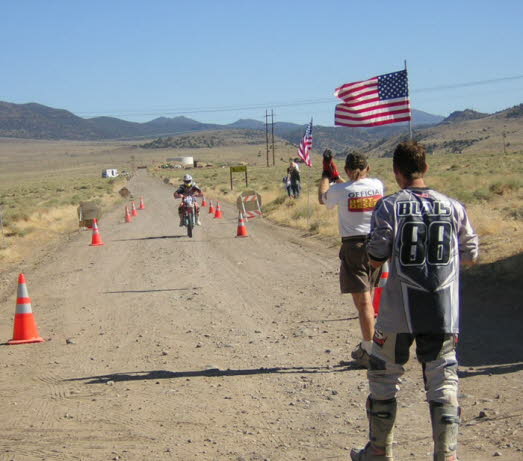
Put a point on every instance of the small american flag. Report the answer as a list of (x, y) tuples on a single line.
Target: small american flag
[(306, 145), (378, 101)]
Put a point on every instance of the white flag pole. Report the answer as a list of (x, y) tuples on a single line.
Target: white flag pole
[(410, 121), (309, 168)]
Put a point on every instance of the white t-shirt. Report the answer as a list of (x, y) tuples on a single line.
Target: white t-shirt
[(356, 201)]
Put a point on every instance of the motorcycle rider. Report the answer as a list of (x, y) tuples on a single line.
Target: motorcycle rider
[(188, 187)]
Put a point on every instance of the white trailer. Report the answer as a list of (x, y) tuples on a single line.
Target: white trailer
[(110, 173)]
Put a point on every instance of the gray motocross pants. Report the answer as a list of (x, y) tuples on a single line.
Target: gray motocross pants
[(435, 352)]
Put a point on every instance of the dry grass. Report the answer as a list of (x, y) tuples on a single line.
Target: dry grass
[(489, 185), (42, 184), (38, 181)]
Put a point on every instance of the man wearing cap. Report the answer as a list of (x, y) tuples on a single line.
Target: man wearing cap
[(356, 200)]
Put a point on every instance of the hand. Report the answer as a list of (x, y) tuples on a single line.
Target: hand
[(327, 155)]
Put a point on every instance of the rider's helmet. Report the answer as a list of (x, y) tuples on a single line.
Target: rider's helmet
[(187, 179)]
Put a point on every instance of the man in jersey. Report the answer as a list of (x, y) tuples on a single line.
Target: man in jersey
[(356, 200), (425, 235), (188, 188)]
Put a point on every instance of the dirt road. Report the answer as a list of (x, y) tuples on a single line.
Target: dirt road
[(212, 348)]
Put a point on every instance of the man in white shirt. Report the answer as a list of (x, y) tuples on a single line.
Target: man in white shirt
[(356, 200)]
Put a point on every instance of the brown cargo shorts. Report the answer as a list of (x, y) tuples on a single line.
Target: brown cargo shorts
[(356, 274)]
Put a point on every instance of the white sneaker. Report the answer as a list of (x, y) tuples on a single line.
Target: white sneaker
[(198, 222)]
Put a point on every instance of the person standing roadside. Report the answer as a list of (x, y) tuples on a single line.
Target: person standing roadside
[(295, 179), (287, 183), (426, 235), (356, 200)]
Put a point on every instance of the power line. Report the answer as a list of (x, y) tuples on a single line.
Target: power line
[(467, 84), (295, 103)]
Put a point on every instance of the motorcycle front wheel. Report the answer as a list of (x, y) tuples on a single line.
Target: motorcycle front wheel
[(189, 225)]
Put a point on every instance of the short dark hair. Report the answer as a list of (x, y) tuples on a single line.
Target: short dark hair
[(356, 161), (409, 159)]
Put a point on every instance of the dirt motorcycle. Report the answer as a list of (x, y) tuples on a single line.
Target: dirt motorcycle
[(189, 213)]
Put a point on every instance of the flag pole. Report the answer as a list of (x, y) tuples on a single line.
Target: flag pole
[(309, 184), (410, 121)]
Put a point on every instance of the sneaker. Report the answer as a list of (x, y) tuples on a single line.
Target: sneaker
[(198, 222), (181, 222), (361, 357)]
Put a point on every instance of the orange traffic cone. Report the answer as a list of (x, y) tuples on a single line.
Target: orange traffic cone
[(378, 291), (25, 329), (204, 202), (133, 209), (242, 228), (218, 214), (127, 215), (142, 205), (211, 208), (96, 239)]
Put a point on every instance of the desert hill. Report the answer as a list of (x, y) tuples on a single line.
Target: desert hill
[(465, 132), (36, 121), (463, 115), (460, 132), (41, 122)]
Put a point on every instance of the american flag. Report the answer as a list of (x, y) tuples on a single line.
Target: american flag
[(378, 101), (306, 145)]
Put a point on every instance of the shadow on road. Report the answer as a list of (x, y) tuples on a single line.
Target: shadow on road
[(151, 238), (328, 320), (150, 291), (491, 370), (491, 317), (209, 373)]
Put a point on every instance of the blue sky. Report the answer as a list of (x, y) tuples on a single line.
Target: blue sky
[(218, 61)]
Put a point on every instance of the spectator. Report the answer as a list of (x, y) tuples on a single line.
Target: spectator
[(287, 183), (355, 200), (294, 176)]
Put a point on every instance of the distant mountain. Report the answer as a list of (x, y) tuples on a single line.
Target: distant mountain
[(110, 127), (441, 134), (513, 112), (424, 118), (41, 122), (248, 124), (176, 125), (463, 115)]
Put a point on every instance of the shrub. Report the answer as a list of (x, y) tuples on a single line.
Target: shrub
[(16, 231), (501, 188), (314, 227), (482, 194), (516, 213), (302, 213)]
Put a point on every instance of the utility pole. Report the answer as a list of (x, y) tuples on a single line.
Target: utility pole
[(267, 135), (272, 125), (2, 226)]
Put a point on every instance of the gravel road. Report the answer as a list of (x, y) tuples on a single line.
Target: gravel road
[(163, 347)]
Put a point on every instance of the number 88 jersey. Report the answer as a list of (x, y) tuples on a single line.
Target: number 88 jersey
[(424, 234)]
